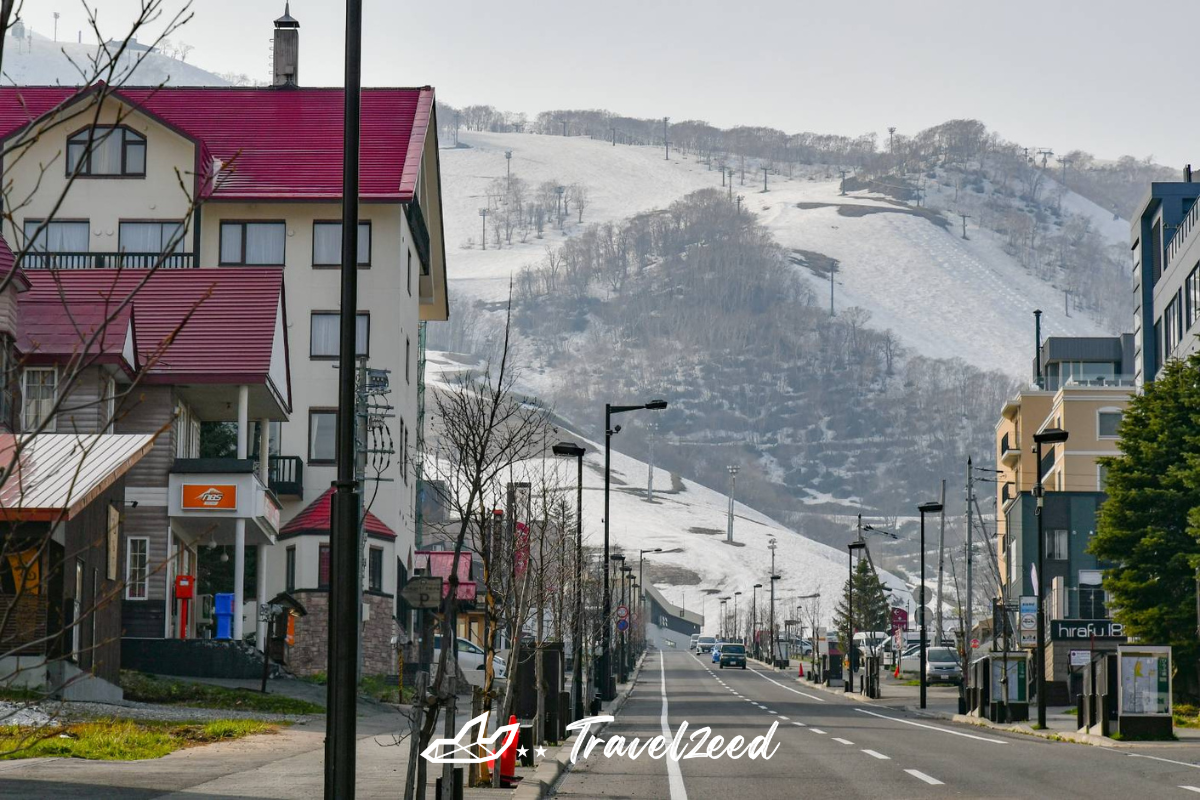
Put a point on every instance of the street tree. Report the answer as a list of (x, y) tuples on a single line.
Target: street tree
[(870, 611)]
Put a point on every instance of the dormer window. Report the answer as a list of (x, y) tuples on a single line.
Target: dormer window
[(107, 151)]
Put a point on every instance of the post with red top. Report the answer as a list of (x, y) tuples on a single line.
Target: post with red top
[(185, 590)]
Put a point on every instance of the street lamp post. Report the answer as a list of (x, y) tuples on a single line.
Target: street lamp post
[(625, 601), (724, 626), (857, 544), (771, 545), (736, 632), (733, 471), (754, 627), (642, 558), (607, 690), (1050, 436), (572, 450), (925, 508)]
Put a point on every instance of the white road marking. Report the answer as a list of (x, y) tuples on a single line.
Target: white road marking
[(769, 711), (1195, 789), (799, 724), (1167, 760), (674, 776), (875, 754), (842, 741), (987, 739), (817, 730), (790, 689), (916, 773), (782, 717)]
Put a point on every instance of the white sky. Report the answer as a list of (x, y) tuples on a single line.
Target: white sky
[(1093, 74)]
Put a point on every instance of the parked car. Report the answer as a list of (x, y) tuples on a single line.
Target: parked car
[(716, 652), (470, 656), (942, 664), (692, 642), (732, 655), (705, 644)]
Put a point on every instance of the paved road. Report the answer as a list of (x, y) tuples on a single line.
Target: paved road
[(828, 746)]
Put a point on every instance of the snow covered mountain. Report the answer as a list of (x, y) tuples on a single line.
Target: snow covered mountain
[(36, 60), (943, 296)]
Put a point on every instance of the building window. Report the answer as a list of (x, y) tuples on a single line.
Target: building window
[(1172, 326), (252, 243), (409, 279), (107, 151), (1158, 345), (322, 435), (327, 244), (375, 569), (1108, 420), (1191, 294), (39, 393), (323, 334), (151, 240), (403, 451), (289, 581), (1154, 256), (323, 566), (407, 360), (109, 401), (137, 569), (57, 236), (1056, 545)]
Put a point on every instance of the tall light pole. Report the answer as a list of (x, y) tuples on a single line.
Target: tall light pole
[(924, 508), (572, 450), (1050, 436), (666, 141), (754, 613), (641, 559), (608, 691), (857, 544), (508, 171), (771, 545), (626, 570), (558, 190), (483, 212), (733, 471), (653, 426), (724, 627), (736, 595)]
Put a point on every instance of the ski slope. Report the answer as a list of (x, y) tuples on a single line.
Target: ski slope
[(688, 521), (38, 61), (943, 296)]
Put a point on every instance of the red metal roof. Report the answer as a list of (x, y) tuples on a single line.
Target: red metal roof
[(281, 143), (190, 325), (314, 519)]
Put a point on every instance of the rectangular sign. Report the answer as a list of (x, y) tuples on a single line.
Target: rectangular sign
[(1016, 680), (1080, 658), (1028, 604), (1081, 630), (209, 497), (1145, 676), (1029, 638)]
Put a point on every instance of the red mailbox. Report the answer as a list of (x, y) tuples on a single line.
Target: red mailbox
[(185, 587)]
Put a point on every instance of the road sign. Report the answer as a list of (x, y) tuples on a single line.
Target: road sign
[(1028, 604), (423, 592), (919, 595), (622, 624), (899, 619), (1080, 658), (622, 612), (1028, 622), (974, 644), (1029, 638)]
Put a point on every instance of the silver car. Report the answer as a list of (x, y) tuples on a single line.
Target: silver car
[(942, 665)]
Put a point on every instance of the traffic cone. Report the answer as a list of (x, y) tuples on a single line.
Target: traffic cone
[(801, 675), (508, 758)]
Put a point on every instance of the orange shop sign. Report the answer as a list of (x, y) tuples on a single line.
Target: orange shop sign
[(209, 497)]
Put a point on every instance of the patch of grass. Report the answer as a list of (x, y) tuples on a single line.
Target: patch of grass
[(145, 688), (911, 682), (20, 694), (121, 740), (1186, 716), (385, 690)]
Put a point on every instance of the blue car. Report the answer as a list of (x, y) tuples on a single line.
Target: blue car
[(716, 653)]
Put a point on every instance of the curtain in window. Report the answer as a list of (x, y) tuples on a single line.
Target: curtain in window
[(106, 151), (39, 391), (327, 243), (58, 237), (324, 335), (135, 156), (264, 243), (322, 435), (231, 243)]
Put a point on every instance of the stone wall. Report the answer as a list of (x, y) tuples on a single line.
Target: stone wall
[(308, 655)]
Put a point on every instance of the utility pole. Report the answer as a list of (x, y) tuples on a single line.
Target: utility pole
[(733, 471), (1065, 161), (614, 136), (891, 141), (508, 171), (1067, 302), (941, 565), (483, 212), (772, 545), (965, 217), (764, 171), (722, 176), (739, 202), (666, 141), (831, 290), (843, 181), (731, 183), (650, 472)]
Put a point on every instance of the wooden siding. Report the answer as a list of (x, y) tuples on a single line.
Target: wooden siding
[(82, 410), (150, 522), (147, 409), (86, 540)]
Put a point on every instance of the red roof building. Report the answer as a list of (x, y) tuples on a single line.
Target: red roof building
[(314, 519)]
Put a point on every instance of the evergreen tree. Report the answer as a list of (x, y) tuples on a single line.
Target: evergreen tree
[(1149, 528), (870, 603)]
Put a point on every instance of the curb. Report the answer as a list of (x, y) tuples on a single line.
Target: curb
[(552, 770)]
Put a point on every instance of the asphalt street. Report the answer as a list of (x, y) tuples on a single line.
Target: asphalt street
[(831, 747)]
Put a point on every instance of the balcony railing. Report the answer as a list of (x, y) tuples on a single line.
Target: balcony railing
[(1106, 381), (1009, 451), (108, 260), (1181, 234), (285, 475)]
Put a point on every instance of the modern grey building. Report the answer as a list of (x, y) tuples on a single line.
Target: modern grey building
[(1165, 239)]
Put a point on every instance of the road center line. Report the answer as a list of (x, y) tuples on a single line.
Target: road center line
[(916, 773), (817, 730), (799, 724), (674, 776), (876, 754), (1195, 789), (790, 689), (842, 741), (987, 739)]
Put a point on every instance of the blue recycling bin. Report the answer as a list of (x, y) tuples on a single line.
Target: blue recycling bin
[(223, 610)]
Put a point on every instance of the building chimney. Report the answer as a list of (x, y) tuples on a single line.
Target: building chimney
[(287, 49), (1187, 173)]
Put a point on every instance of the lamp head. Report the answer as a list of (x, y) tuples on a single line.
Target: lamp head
[(931, 507), (569, 449), (656, 405), (1050, 436)]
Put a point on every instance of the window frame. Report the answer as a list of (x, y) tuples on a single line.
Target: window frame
[(242, 223), (289, 569), (374, 565), (52, 424), (1108, 410), (409, 278), (145, 581), (334, 356), (324, 553), (1052, 552), (321, 462), (361, 264), (124, 174)]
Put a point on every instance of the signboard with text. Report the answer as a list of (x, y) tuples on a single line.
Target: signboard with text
[(209, 497), (1086, 629), (1145, 675)]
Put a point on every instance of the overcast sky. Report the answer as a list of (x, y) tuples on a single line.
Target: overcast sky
[(1099, 75)]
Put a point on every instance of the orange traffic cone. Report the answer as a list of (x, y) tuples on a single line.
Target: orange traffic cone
[(801, 675), (508, 758)]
